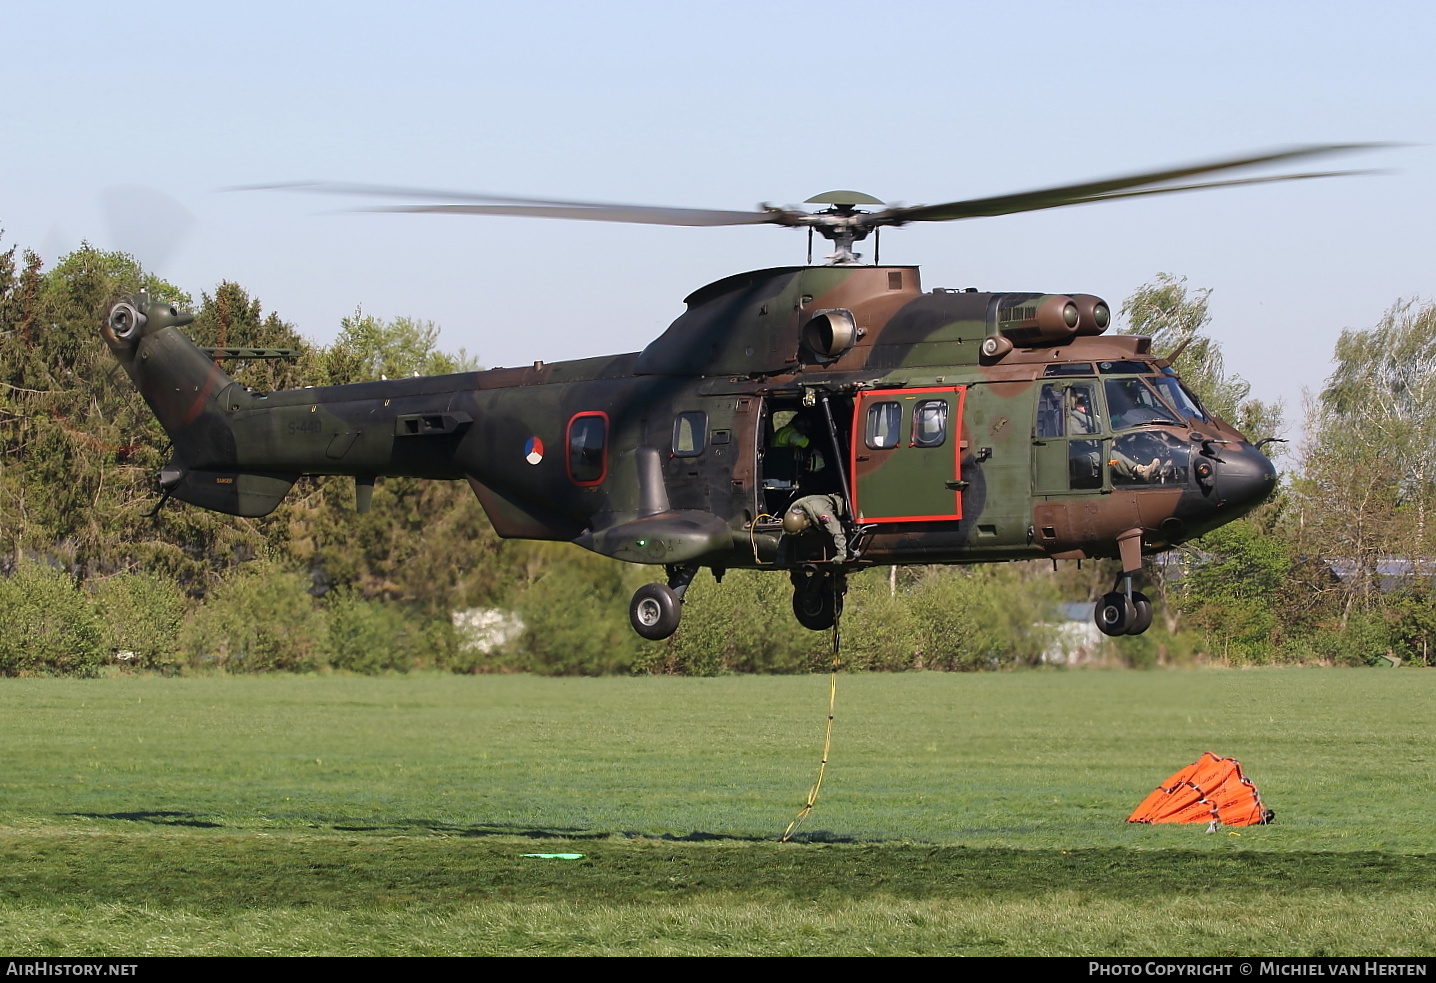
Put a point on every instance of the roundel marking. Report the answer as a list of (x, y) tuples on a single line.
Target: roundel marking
[(533, 450)]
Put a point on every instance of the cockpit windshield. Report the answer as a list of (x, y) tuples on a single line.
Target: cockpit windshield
[(1180, 397), (1132, 403)]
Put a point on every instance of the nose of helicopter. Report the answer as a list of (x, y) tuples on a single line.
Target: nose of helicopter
[(1245, 476)]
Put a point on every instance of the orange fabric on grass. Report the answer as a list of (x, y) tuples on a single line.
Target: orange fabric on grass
[(1209, 788)]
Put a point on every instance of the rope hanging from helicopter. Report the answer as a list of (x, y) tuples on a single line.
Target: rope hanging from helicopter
[(753, 535), (812, 798)]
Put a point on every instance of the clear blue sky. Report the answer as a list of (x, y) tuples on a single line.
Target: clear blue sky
[(725, 106)]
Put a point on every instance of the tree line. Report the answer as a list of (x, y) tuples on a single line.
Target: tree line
[(1337, 568)]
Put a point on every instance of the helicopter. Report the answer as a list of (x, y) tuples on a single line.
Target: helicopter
[(815, 419)]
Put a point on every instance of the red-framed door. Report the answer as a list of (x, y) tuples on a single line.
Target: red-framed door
[(907, 454)]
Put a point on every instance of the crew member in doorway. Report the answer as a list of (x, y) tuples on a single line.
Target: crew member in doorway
[(797, 434), (819, 510)]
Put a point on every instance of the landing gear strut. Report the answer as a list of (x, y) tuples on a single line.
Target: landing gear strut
[(656, 609), (1123, 611), (818, 597)]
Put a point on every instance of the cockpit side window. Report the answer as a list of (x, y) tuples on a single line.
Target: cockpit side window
[(1067, 410), (1082, 415)]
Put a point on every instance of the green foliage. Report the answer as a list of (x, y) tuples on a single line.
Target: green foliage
[(72, 298), (1368, 484), (79, 449), (1382, 397), (140, 616), (940, 618), (880, 630), (230, 316), (426, 543), (369, 637), (373, 637), (371, 348), (574, 606), (979, 618), (1237, 561), (260, 620), (1413, 623), (1361, 640), (1175, 318), (47, 625), (744, 624)]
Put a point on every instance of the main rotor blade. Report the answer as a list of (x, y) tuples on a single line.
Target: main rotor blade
[(477, 203), (1072, 194), (1235, 182), (640, 214), (397, 191)]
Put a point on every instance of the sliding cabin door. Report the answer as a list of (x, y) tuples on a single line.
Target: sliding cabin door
[(906, 455)]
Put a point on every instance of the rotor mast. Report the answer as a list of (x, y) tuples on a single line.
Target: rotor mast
[(843, 224)]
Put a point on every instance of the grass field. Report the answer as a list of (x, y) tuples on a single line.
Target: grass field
[(961, 814)]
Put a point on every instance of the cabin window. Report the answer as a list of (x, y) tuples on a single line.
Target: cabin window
[(690, 431), (929, 423), (587, 448), (884, 425)]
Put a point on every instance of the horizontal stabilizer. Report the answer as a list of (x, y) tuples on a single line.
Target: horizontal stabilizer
[(246, 493)]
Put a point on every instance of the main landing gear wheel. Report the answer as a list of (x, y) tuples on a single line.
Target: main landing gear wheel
[(654, 611), (1118, 614), (817, 599)]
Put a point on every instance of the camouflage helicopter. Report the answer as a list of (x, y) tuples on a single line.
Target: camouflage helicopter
[(944, 426)]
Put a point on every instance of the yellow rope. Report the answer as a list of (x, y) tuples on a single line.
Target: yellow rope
[(827, 733), (753, 535)]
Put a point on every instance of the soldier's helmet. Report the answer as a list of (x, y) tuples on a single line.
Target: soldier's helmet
[(795, 521)]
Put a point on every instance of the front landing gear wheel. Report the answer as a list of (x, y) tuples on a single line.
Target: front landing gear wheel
[(654, 612), (1144, 614), (817, 601), (1116, 614)]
